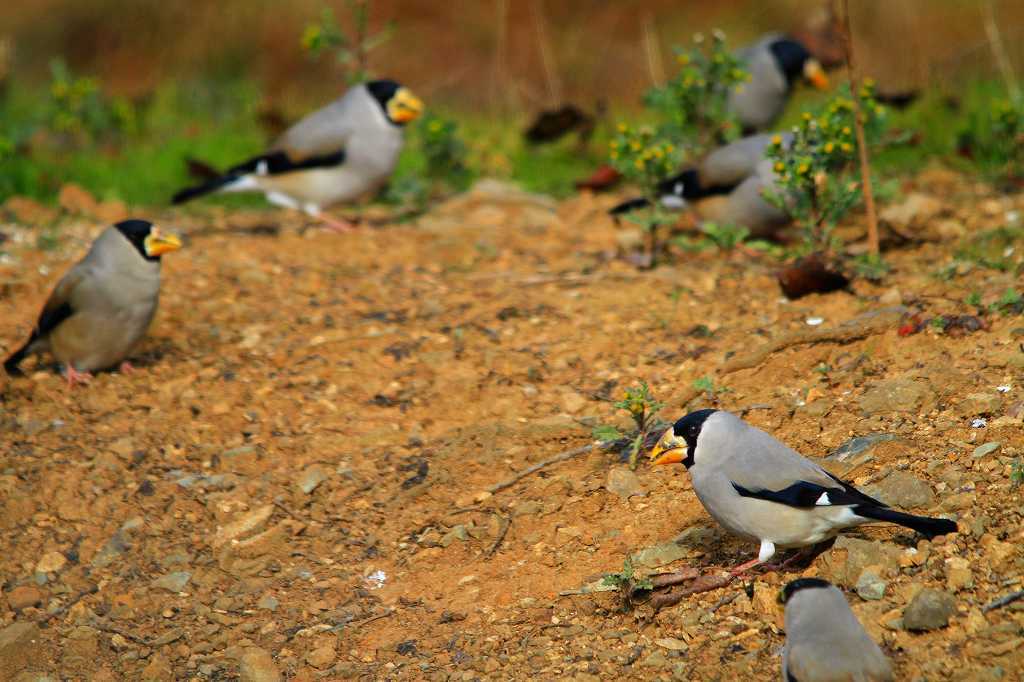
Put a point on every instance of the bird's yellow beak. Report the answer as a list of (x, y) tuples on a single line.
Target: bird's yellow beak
[(404, 106), (669, 450), (815, 75), (157, 243)]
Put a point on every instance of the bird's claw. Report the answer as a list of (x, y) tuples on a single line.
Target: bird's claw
[(76, 377), (126, 368)]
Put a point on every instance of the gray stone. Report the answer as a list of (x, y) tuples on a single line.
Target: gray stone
[(870, 585), (257, 665), (896, 395), (267, 602), (858, 445), (456, 533), (660, 555), (624, 483), (986, 449), (173, 582), (313, 476), (901, 489), (848, 557), (19, 646), (929, 610)]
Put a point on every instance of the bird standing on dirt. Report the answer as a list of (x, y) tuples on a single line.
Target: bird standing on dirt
[(727, 187), (824, 640), (759, 488), (336, 154), (103, 306), (776, 64)]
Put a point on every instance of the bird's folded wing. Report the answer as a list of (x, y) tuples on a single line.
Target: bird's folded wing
[(732, 164), (806, 495), (322, 133), (277, 162), (61, 305)]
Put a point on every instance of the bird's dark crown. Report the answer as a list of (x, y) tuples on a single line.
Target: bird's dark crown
[(689, 427), (136, 231), (802, 584), (382, 91), (791, 55)]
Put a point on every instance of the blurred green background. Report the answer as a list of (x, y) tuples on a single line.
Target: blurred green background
[(115, 95)]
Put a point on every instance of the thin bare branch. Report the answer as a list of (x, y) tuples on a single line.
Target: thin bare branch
[(858, 125)]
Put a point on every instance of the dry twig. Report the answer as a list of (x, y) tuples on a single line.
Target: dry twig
[(534, 468), (858, 126), (862, 326), (1003, 601), (505, 524), (995, 41)]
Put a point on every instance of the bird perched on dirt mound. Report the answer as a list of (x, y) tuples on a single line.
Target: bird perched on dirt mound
[(102, 307), (727, 187), (776, 64), (824, 640), (758, 488), (336, 154)]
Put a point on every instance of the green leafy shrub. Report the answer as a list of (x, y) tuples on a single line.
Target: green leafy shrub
[(350, 50), (694, 103), (444, 152), (816, 172), (79, 109), (643, 409), (645, 159)]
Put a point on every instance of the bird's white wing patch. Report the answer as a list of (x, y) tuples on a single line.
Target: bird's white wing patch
[(767, 550), (261, 168), (823, 501)]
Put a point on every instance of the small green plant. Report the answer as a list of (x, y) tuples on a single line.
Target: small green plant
[(444, 152), (725, 237), (351, 50), (1008, 129), (626, 579), (79, 109), (816, 170), (643, 409), (645, 160), (1010, 303), (694, 103), (706, 385), (870, 266), (1017, 472), (973, 300), (938, 323)]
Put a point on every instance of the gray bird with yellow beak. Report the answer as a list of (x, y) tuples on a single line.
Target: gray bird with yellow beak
[(102, 307), (824, 640), (759, 488), (337, 154), (776, 64)]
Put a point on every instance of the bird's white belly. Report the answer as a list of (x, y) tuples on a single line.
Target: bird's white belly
[(321, 187)]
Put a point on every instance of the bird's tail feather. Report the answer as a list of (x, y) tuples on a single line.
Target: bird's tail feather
[(225, 183), (924, 525), (190, 193), (627, 206), (11, 363)]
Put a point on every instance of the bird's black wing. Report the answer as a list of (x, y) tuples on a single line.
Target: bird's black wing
[(273, 163), (805, 495)]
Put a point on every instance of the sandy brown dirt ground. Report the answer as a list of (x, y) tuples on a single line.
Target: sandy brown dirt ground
[(292, 483)]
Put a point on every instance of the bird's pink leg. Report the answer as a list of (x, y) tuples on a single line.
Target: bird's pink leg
[(126, 368), (76, 377), (336, 224), (743, 568)]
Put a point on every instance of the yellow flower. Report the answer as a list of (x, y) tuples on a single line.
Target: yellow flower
[(614, 154), (779, 166), (777, 140), (639, 164), (634, 145), (806, 116), (803, 169), (683, 59), (623, 127), (829, 146), (846, 130), (846, 147)]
